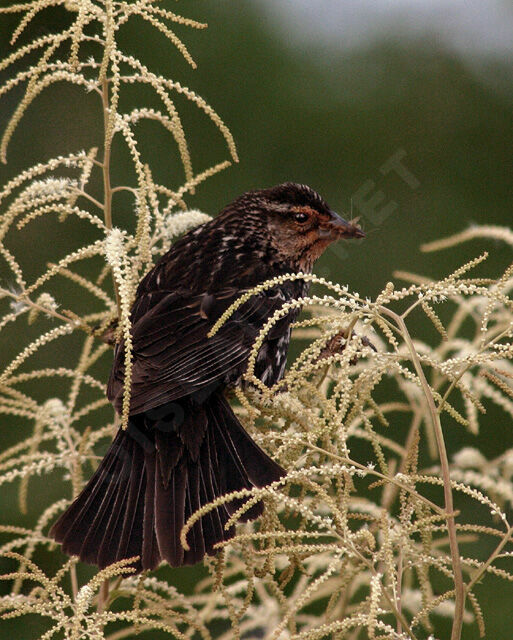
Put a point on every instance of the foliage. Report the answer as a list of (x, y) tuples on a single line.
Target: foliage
[(367, 535)]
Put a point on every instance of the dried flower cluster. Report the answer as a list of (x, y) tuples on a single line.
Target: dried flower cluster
[(373, 532)]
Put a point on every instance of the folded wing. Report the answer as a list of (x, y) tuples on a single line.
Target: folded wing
[(172, 354)]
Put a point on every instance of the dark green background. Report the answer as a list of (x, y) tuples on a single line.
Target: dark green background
[(315, 114)]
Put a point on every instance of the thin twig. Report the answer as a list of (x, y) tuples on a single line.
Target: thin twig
[(89, 197), (484, 567), (24, 299), (373, 472)]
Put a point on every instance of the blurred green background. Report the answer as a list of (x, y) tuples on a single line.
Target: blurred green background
[(323, 94)]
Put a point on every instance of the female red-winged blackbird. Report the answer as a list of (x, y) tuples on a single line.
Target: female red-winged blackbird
[(184, 446)]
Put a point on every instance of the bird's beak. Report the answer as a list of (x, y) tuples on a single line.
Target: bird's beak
[(336, 227)]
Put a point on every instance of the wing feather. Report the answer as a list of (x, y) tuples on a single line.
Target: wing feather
[(172, 353)]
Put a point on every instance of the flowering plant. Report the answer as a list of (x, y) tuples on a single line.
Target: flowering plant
[(373, 531)]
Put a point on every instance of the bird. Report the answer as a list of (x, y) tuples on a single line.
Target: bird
[(184, 447)]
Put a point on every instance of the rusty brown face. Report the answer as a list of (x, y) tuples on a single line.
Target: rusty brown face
[(304, 232)]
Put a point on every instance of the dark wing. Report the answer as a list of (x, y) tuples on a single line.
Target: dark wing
[(172, 354)]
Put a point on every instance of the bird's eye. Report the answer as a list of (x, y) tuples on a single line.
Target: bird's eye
[(301, 217)]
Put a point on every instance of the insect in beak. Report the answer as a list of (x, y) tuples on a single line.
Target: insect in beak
[(336, 227)]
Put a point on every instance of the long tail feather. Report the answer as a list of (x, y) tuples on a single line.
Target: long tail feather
[(154, 477), (150, 549)]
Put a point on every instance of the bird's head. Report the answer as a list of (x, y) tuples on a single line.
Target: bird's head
[(298, 221)]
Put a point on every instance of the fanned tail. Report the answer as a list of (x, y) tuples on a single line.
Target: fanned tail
[(155, 475)]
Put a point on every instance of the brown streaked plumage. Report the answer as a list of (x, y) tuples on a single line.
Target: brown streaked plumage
[(184, 446)]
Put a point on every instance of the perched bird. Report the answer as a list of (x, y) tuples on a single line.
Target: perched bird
[(184, 446)]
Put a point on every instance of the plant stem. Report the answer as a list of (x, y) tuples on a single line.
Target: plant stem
[(399, 589), (103, 596), (74, 581), (107, 189), (459, 588)]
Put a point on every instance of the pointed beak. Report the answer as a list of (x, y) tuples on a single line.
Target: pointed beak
[(336, 227)]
